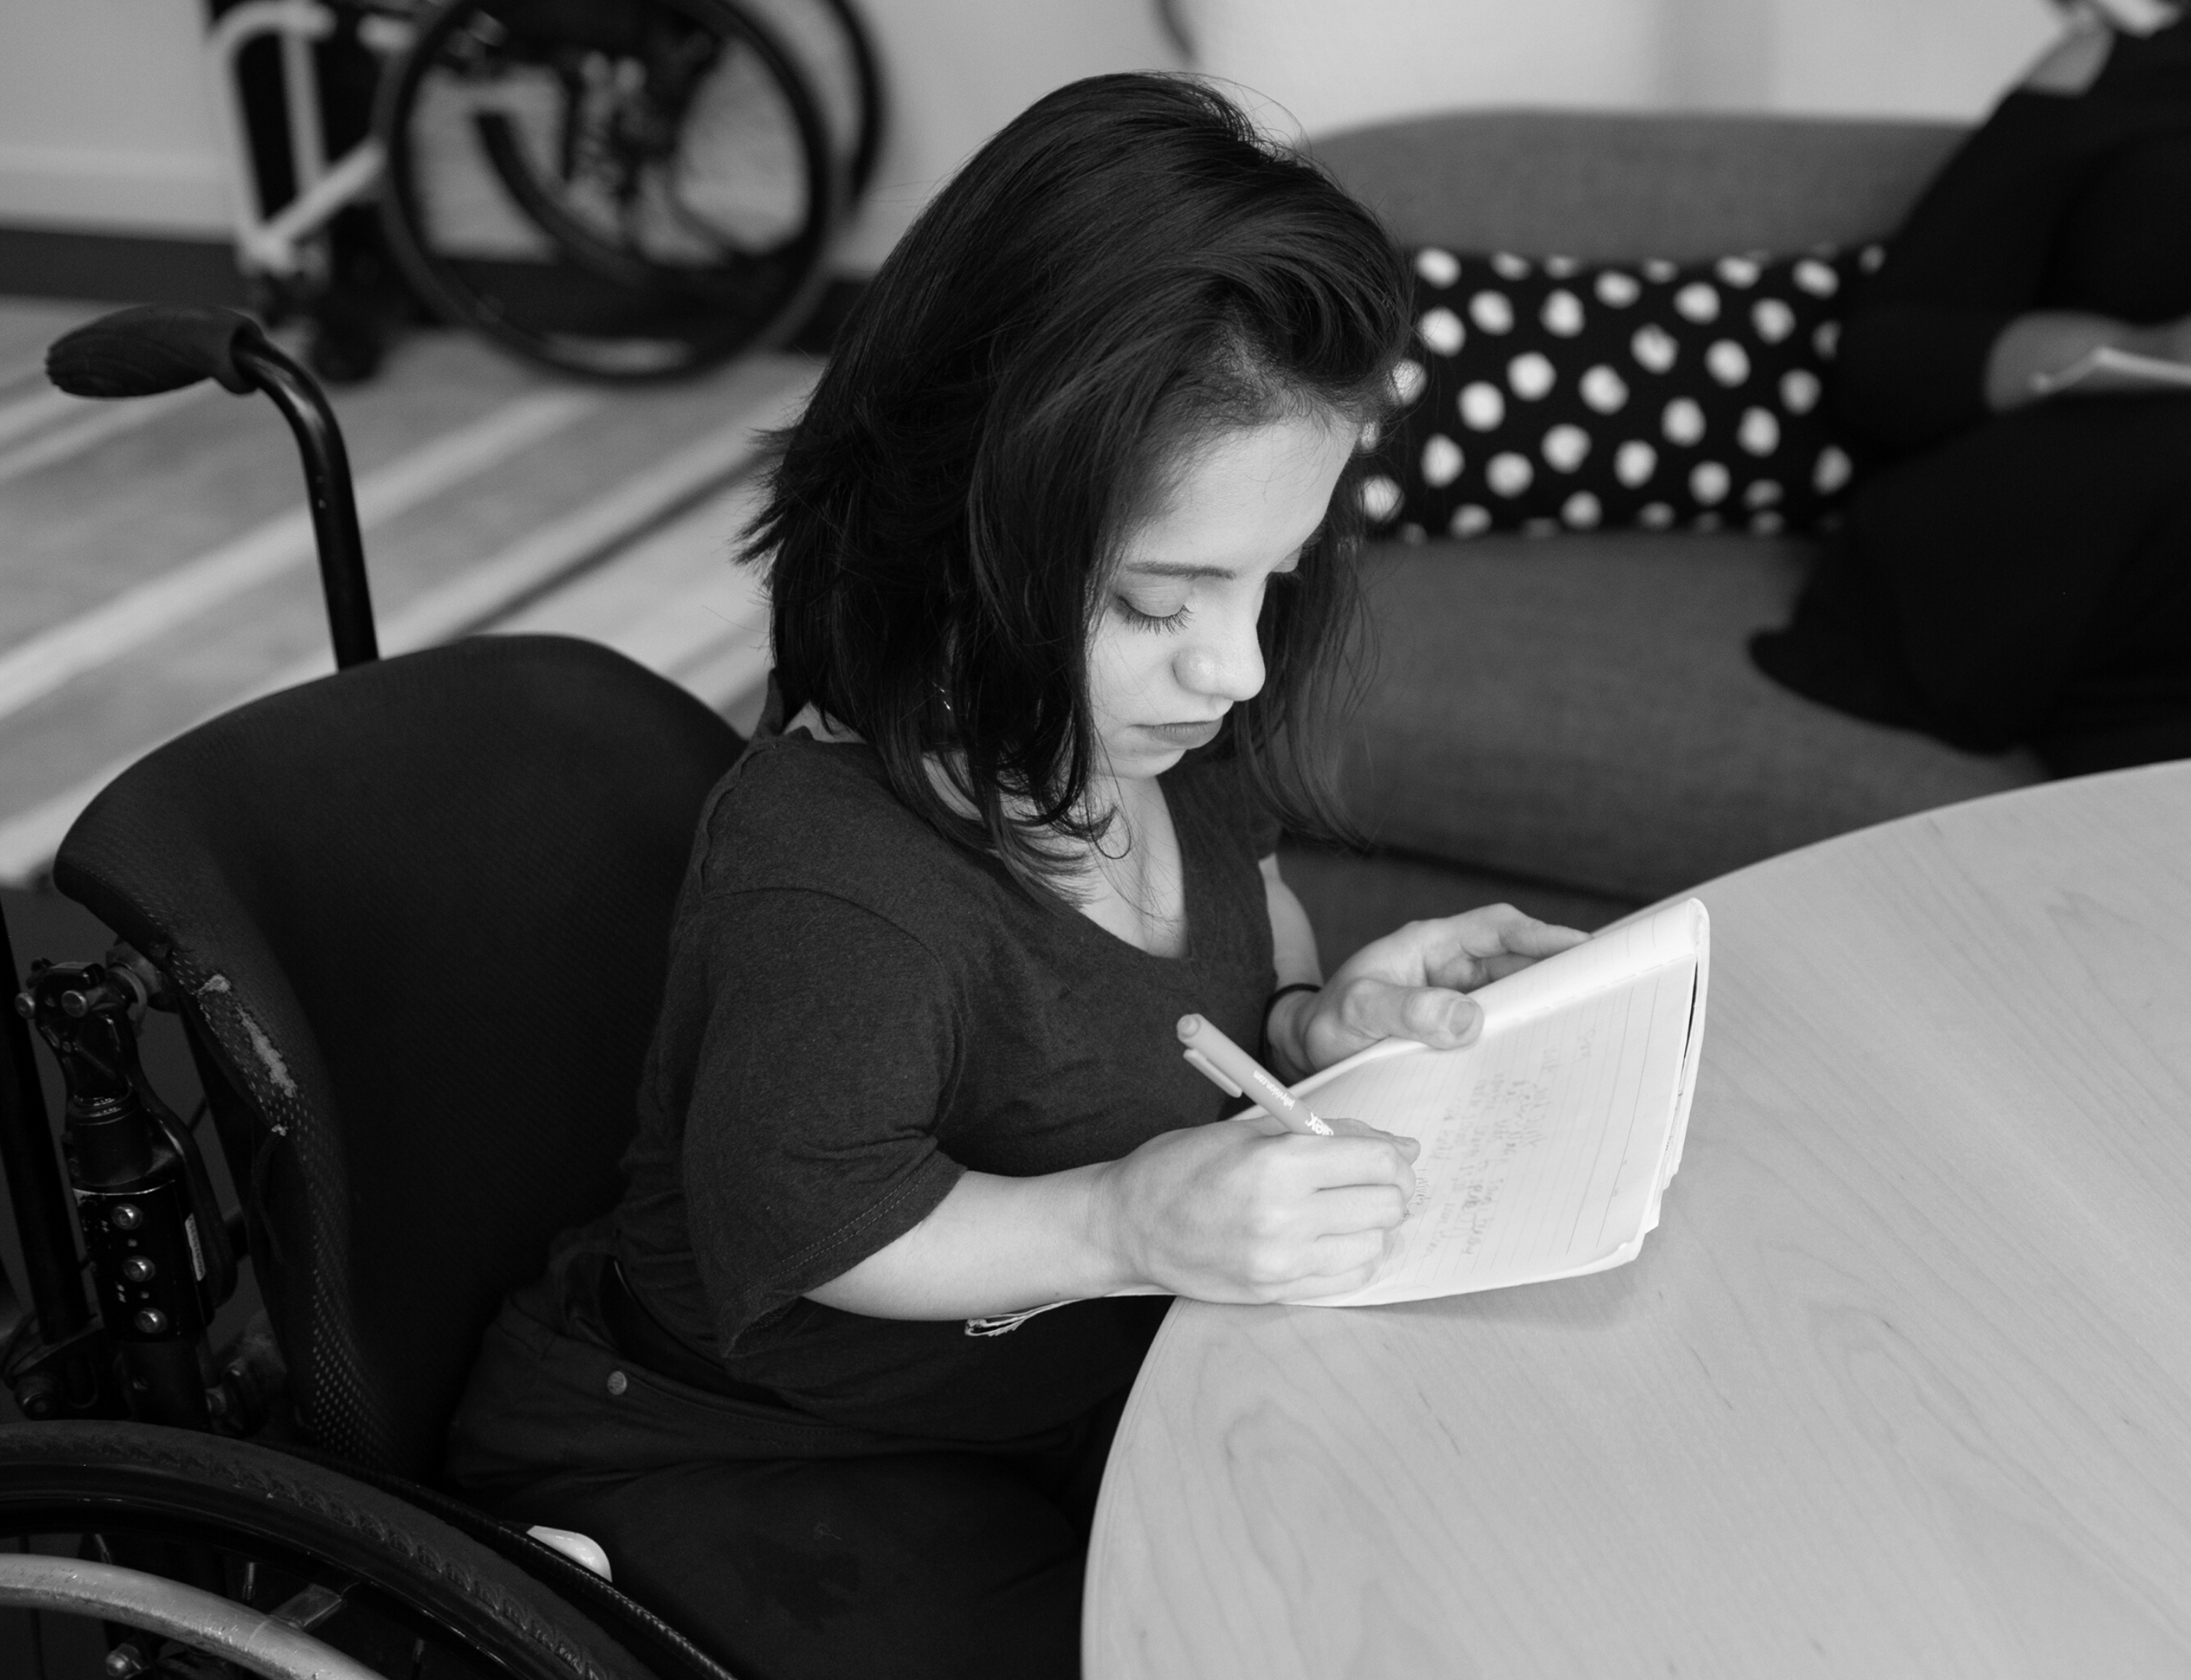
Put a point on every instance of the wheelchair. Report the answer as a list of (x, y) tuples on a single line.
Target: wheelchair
[(413, 919), (635, 190)]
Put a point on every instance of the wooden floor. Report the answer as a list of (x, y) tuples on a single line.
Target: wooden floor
[(158, 565)]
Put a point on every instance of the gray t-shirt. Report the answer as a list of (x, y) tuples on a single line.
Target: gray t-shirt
[(858, 1010)]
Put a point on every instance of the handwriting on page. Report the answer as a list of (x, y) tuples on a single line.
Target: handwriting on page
[(1542, 1143), (1505, 1120)]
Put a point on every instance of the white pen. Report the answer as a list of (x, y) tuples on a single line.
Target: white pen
[(1231, 1070)]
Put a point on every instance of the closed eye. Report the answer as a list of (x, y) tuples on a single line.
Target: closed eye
[(1150, 621)]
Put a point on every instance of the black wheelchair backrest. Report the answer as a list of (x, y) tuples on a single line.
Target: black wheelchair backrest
[(417, 917)]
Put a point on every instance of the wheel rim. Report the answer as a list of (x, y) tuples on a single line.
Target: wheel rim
[(627, 200), (205, 1621), (257, 1550)]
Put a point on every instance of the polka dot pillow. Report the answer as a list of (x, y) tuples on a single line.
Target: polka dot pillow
[(1554, 395)]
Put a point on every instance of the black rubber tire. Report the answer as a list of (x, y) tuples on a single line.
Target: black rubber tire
[(860, 147), (597, 311), (112, 1479), (645, 1635), (865, 148)]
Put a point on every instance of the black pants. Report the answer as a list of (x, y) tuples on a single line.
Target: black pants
[(2028, 581), (909, 1565), (788, 1549)]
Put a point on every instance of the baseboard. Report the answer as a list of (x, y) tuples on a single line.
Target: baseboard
[(118, 268), (134, 269)]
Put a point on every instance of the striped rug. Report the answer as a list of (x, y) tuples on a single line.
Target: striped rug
[(156, 561)]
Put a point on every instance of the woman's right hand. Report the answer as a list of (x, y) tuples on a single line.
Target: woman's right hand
[(1245, 1210)]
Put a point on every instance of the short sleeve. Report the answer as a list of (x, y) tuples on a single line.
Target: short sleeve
[(829, 1049)]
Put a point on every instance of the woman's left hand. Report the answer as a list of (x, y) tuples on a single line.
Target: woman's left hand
[(1409, 985)]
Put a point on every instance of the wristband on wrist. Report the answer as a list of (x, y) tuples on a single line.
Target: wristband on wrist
[(1272, 1003)]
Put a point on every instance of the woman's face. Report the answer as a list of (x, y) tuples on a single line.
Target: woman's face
[(1173, 644)]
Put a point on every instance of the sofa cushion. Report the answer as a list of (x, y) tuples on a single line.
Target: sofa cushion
[(1549, 392), (1582, 710), (1606, 186)]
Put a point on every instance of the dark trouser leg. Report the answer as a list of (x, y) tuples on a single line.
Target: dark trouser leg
[(2036, 564), (919, 1566), (2130, 701)]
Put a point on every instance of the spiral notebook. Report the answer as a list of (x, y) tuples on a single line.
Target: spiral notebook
[(1548, 1142)]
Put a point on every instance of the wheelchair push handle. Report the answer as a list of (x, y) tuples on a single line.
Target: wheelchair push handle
[(162, 347), (154, 348)]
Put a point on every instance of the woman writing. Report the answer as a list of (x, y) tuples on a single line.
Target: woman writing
[(1059, 551)]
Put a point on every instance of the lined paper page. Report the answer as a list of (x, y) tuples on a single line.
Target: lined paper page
[(1674, 934), (1546, 1142)]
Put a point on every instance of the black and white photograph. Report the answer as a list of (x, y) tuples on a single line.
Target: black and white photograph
[(1096, 840)]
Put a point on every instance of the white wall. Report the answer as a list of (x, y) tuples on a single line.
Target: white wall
[(1336, 65), (960, 69), (1331, 66), (1941, 58), (103, 125), (101, 121)]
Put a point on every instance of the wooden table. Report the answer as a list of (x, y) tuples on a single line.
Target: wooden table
[(1901, 1386)]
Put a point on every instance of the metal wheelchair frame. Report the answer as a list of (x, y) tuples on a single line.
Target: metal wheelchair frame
[(162, 1258)]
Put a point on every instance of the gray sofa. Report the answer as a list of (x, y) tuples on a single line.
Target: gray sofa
[(1572, 722)]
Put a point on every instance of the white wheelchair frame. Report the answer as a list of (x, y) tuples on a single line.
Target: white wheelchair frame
[(282, 245)]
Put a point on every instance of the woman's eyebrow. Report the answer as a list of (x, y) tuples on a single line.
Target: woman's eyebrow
[(1159, 568), (1164, 568)]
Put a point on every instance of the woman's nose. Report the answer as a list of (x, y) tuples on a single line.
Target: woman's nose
[(1227, 666)]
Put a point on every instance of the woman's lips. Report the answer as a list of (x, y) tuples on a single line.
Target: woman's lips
[(1186, 734)]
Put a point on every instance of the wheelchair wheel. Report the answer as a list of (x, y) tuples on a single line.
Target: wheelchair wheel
[(633, 191), (239, 1528), (833, 45)]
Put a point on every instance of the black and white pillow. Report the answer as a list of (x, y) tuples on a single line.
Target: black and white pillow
[(1555, 395)]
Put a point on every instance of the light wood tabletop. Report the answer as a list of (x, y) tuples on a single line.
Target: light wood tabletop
[(1901, 1386)]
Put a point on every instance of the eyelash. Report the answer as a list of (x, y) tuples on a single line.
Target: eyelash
[(1151, 620), (1177, 621)]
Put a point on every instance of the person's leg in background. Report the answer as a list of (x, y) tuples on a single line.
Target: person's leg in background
[(2010, 555), (919, 1566), (2024, 581), (2129, 701)]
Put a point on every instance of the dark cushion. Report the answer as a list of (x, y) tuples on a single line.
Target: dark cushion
[(1581, 710), (1547, 392), (1606, 186)]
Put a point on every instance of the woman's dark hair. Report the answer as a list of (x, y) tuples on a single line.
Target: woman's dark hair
[(1126, 269)]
